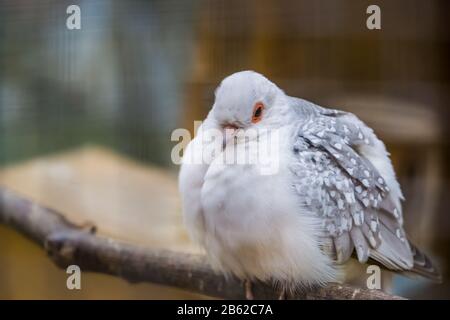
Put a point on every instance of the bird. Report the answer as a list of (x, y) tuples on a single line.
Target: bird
[(332, 193)]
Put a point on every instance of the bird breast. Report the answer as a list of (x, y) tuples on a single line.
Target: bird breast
[(254, 227)]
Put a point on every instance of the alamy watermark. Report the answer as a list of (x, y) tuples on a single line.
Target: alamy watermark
[(73, 281), (216, 146), (73, 21), (373, 21), (374, 280)]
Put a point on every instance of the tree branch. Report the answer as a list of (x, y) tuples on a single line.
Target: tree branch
[(68, 244)]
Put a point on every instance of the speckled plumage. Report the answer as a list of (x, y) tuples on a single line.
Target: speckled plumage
[(335, 192), (347, 191)]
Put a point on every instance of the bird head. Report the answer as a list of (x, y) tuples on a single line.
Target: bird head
[(246, 100)]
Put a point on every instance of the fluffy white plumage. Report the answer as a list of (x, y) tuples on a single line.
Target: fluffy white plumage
[(334, 190)]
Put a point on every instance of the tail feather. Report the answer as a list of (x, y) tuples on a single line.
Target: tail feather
[(423, 265)]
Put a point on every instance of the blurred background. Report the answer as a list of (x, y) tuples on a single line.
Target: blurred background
[(86, 115)]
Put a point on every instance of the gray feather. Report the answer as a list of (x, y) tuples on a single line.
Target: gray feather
[(392, 252), (423, 265), (344, 247), (360, 243), (345, 189)]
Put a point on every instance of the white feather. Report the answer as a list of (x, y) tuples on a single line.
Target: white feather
[(253, 225)]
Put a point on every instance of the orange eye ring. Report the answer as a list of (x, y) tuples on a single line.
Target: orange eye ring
[(257, 112)]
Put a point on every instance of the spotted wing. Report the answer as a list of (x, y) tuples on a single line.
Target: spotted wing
[(345, 189)]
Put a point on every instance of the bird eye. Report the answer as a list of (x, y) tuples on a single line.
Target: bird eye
[(257, 112)]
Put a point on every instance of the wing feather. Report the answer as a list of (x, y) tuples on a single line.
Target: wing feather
[(359, 198), (351, 189)]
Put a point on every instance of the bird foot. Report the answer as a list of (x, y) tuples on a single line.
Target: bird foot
[(283, 294), (248, 290)]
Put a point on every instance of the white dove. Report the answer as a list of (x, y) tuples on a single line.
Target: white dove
[(334, 191)]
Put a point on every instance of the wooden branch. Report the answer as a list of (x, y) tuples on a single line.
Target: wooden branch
[(68, 244)]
